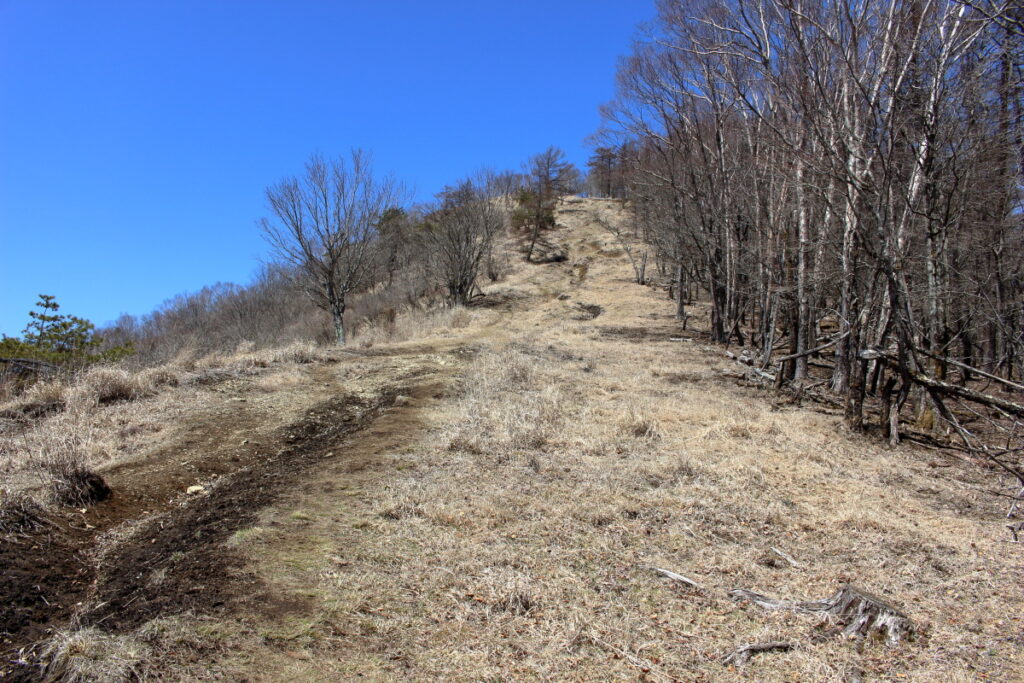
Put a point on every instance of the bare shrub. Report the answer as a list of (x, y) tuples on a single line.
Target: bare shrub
[(59, 456)]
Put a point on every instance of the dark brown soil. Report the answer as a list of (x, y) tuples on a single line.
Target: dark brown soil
[(175, 560), (42, 576)]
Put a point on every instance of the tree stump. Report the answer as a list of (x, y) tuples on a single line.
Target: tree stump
[(861, 613)]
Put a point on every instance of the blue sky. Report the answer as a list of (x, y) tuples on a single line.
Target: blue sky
[(137, 136)]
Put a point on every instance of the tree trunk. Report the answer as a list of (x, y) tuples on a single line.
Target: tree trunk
[(338, 318), (681, 289)]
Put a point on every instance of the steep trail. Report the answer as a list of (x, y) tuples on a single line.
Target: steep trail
[(492, 505)]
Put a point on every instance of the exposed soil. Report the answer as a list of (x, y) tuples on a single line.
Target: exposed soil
[(172, 560), (178, 560), (44, 575)]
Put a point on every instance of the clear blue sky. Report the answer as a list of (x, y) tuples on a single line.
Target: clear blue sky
[(137, 136)]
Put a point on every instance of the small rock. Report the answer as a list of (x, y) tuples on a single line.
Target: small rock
[(402, 400), (196, 489)]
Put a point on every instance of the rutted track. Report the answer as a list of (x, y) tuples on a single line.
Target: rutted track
[(168, 562)]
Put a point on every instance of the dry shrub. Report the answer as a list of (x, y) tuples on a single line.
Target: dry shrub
[(60, 456), (89, 655), (103, 384), (40, 399)]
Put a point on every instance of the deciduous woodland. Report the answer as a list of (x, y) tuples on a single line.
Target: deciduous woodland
[(843, 182)]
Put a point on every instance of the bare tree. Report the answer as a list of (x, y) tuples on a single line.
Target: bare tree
[(460, 233), (325, 225), (844, 177)]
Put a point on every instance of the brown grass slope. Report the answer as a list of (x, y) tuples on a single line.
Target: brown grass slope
[(500, 521)]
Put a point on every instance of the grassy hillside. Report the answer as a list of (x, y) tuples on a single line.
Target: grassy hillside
[(489, 500)]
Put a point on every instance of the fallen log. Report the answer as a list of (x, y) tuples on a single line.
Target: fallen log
[(859, 612), (946, 388)]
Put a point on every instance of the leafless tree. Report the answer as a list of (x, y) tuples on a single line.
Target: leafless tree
[(325, 225), (845, 180), (460, 232)]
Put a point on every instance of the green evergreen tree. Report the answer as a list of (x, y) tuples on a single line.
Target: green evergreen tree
[(58, 338)]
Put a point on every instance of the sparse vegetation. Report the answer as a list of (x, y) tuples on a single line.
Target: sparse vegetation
[(503, 517), (402, 454)]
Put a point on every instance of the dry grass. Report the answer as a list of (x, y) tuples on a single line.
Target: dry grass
[(60, 458), (40, 399), (90, 655), (20, 514), (509, 533), (414, 324), (519, 546), (515, 539), (100, 385)]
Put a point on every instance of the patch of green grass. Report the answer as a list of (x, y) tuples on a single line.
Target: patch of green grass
[(242, 535)]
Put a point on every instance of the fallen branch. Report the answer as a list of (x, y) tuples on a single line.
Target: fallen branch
[(945, 387), (974, 370), (639, 662), (787, 558), (678, 577), (862, 613), (816, 349), (743, 653)]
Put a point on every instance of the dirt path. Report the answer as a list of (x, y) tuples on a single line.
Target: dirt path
[(152, 550)]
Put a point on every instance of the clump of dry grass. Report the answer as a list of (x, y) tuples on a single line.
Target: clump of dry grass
[(414, 324), (509, 407), (300, 353), (103, 384), (89, 655), (639, 422), (20, 514), (42, 398), (159, 377), (59, 455)]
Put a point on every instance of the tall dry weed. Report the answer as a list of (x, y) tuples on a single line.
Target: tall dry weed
[(59, 454)]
